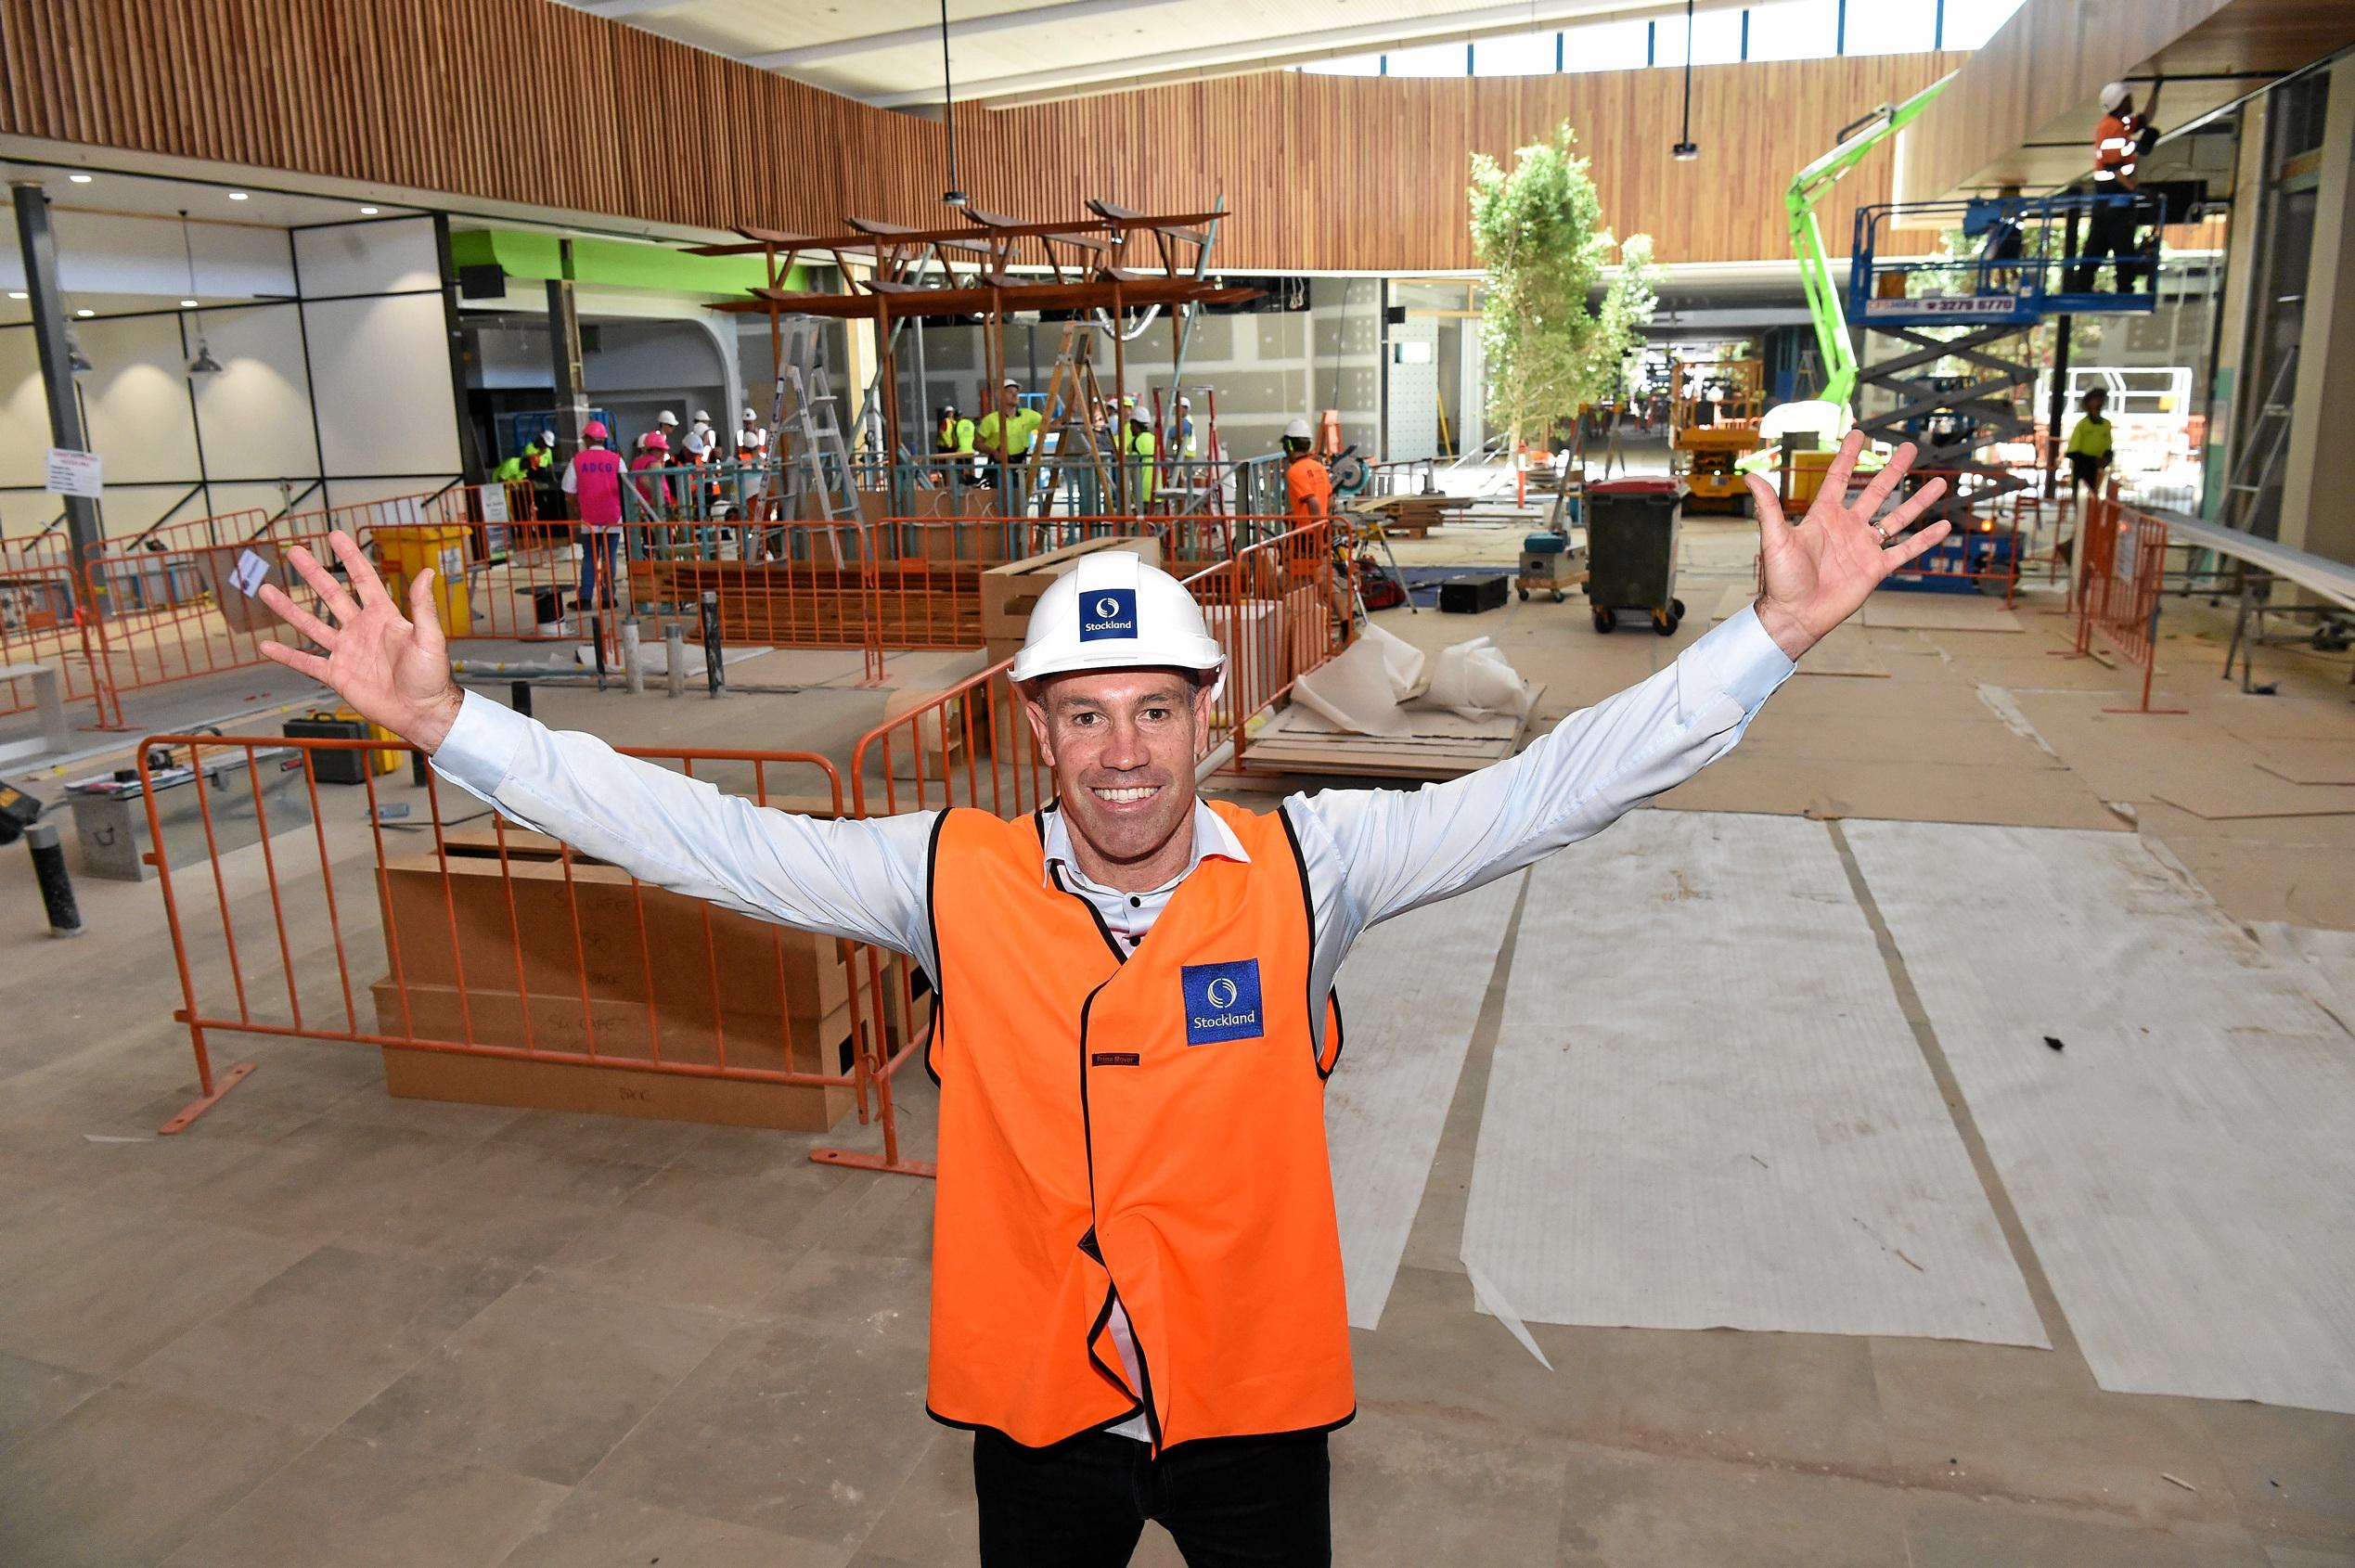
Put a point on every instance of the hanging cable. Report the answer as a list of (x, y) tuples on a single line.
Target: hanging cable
[(1686, 149), (955, 195)]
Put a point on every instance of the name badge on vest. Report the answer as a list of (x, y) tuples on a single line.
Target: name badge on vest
[(1107, 612), (1222, 1002)]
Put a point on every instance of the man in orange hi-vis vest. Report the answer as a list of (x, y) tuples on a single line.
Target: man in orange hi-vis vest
[(1138, 1305), (2120, 142)]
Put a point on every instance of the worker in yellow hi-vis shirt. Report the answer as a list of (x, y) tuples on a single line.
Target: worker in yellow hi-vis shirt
[(1005, 436), (2088, 448)]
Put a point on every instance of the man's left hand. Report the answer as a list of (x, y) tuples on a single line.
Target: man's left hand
[(1818, 571)]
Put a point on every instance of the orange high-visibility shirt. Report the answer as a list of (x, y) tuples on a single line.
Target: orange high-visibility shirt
[(1308, 486)]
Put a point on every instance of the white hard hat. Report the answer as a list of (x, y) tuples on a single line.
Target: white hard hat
[(2116, 94), (1185, 403), (750, 416), (1009, 382), (667, 417), (702, 417), (547, 437), (1112, 612), (1298, 430)]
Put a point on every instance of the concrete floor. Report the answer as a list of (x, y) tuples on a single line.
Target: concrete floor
[(328, 1326)]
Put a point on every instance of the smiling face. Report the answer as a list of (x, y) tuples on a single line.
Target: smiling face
[(1123, 745)]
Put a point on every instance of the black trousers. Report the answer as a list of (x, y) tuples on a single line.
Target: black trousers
[(2110, 234), (1232, 1502)]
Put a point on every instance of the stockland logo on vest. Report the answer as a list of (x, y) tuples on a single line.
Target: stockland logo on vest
[(1107, 612), (1222, 1002)]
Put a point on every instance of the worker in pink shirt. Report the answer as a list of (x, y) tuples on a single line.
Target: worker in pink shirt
[(653, 452), (594, 481)]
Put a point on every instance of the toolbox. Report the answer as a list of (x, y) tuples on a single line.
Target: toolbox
[(1470, 595), (342, 723)]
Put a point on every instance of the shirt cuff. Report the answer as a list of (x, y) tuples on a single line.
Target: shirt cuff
[(480, 748), (1736, 657)]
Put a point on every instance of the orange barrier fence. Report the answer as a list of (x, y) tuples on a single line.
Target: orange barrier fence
[(493, 963), (41, 622), (1281, 608), (2121, 576)]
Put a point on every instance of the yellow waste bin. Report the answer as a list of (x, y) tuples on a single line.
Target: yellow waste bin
[(408, 549)]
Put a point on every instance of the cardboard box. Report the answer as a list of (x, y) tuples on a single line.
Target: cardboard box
[(1010, 593), (612, 1091), (636, 945)]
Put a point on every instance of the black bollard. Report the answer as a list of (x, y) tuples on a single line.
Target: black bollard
[(519, 698), (712, 667), (56, 886)]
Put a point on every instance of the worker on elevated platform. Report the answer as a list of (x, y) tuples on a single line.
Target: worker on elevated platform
[(2120, 141), (1138, 1305)]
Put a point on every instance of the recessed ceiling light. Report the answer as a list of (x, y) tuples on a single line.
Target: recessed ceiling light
[(86, 310), (367, 211), (15, 294), (78, 179), (236, 196), (188, 305)]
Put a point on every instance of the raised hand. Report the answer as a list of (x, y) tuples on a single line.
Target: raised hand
[(395, 670), (1818, 571)]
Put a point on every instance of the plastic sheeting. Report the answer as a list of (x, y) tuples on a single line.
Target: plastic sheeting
[(2185, 1162), (1706, 1110)]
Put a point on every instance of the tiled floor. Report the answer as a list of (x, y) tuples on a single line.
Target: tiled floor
[(325, 1327)]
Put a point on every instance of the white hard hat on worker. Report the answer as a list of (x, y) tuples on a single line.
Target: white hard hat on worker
[(1112, 612)]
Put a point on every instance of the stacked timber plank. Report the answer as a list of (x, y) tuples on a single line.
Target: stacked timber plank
[(1411, 516), (1440, 744)]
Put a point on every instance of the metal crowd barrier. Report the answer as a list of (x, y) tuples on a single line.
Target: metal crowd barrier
[(437, 939), (2120, 580)]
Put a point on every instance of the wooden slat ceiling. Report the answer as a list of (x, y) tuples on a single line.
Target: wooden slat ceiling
[(2022, 111), (1319, 173)]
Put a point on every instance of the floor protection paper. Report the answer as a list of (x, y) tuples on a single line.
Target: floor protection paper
[(1706, 1110), (1411, 993), (2167, 1103)]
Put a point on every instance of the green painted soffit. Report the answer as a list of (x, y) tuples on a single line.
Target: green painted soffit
[(614, 264)]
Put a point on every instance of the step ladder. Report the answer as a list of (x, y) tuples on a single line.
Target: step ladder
[(1073, 396), (820, 486)]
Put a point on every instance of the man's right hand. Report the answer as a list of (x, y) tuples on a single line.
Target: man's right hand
[(394, 670)]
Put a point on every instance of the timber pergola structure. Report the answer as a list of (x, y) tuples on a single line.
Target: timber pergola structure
[(970, 271)]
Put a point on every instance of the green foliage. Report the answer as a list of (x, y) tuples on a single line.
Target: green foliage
[(1538, 229)]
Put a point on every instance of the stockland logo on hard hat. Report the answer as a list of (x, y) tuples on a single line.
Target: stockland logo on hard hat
[(1107, 612), (1222, 1001)]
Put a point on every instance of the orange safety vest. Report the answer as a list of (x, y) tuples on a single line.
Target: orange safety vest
[(1148, 1129)]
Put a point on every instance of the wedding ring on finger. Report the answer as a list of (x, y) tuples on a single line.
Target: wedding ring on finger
[(1880, 531)]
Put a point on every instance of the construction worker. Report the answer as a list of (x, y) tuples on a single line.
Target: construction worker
[(751, 440), (1139, 448), (1307, 483), (2120, 140), (1004, 436), (702, 445), (952, 434), (1138, 1301), (666, 425), (1185, 432), (539, 467), (653, 452), (594, 481), (2090, 443)]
